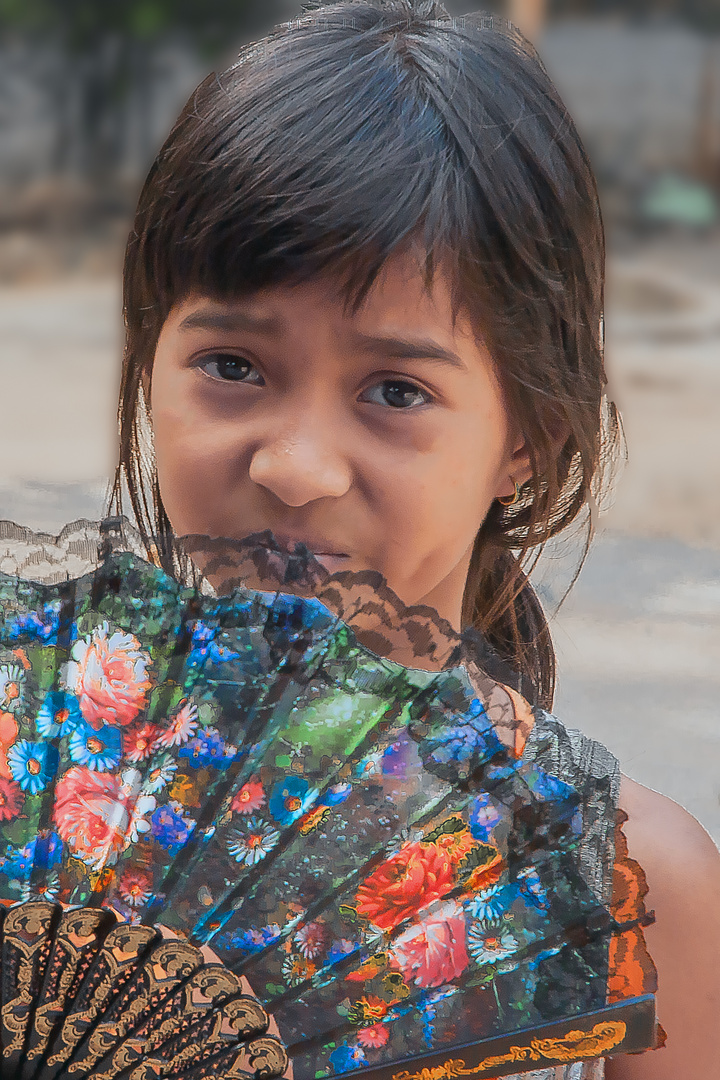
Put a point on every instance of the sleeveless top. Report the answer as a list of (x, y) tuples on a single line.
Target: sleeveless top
[(595, 774)]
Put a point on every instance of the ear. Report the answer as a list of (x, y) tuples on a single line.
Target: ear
[(517, 469), (519, 461)]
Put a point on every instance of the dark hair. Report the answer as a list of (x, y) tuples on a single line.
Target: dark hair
[(343, 137)]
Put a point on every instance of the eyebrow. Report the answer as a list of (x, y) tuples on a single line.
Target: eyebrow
[(230, 322), (408, 348), (385, 345)]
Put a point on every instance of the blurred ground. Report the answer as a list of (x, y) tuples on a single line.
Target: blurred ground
[(638, 639)]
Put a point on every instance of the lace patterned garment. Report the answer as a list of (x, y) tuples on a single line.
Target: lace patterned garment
[(351, 803), (575, 758)]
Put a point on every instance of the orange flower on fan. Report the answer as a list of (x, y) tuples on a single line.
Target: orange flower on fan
[(456, 845), (417, 875), (184, 790), (482, 877), (371, 1007), (8, 734), (368, 970), (108, 672)]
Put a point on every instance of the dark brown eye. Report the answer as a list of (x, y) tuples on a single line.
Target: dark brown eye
[(230, 368), (396, 394)]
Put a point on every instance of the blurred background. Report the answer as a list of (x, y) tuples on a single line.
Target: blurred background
[(89, 88)]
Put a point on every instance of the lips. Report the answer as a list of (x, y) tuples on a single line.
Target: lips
[(320, 547)]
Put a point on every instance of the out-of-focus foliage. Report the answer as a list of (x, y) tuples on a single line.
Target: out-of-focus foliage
[(101, 57), (704, 14), (80, 23)]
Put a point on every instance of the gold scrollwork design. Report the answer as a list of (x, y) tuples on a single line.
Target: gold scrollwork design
[(571, 1047)]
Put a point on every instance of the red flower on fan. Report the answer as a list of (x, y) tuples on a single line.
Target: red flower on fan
[(249, 798), (92, 815), (11, 799), (417, 875), (312, 939), (140, 742), (377, 1035), (135, 888)]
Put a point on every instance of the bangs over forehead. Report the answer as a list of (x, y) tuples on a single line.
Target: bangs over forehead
[(343, 138)]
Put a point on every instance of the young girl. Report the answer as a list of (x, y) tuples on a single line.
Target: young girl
[(364, 302)]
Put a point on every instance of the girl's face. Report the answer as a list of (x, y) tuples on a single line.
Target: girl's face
[(379, 439)]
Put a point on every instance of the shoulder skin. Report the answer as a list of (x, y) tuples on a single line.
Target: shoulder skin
[(682, 866)]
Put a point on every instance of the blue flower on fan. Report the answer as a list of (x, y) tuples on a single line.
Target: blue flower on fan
[(484, 816), (208, 748), (249, 941), (471, 735), (489, 905), (336, 794), (100, 750), (547, 787), (290, 799), (400, 758), (32, 764), (170, 829), (531, 888), (344, 1058), (340, 949), (17, 863), (253, 842), (59, 714), (204, 646), (44, 852), (41, 625)]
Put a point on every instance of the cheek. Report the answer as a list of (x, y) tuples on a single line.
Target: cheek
[(455, 475), (195, 459), (435, 501)]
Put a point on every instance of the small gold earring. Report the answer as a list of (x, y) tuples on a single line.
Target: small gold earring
[(510, 500)]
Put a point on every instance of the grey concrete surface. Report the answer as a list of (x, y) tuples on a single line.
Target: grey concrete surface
[(59, 373), (638, 649), (638, 640)]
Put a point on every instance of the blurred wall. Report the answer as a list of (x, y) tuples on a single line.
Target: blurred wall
[(635, 91)]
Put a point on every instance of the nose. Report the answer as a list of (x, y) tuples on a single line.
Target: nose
[(301, 466)]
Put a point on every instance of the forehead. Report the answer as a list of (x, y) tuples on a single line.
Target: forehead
[(401, 295)]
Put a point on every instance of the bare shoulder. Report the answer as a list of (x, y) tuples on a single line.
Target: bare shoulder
[(660, 827), (682, 867)]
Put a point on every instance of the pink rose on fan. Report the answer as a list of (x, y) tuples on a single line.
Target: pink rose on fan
[(433, 951), (92, 814), (108, 672)]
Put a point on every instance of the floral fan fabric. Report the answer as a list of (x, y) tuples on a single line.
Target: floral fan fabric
[(326, 788)]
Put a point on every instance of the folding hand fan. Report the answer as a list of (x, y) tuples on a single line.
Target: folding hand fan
[(324, 787)]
